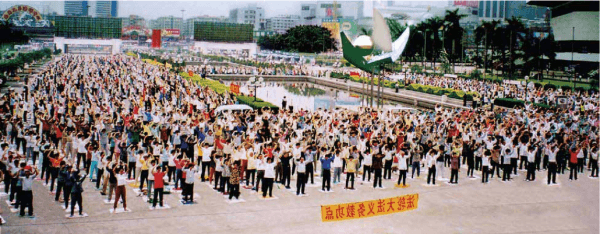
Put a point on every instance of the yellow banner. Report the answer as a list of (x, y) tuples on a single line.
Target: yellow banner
[(370, 208)]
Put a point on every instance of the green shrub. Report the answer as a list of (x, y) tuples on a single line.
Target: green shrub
[(566, 87), (221, 89), (475, 74), (549, 86), (451, 93), (512, 103), (509, 102), (259, 104)]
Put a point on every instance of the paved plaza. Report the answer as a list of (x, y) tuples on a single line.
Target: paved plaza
[(469, 207)]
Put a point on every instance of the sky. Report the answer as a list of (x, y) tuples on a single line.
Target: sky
[(155, 9)]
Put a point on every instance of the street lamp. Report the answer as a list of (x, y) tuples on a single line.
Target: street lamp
[(253, 82)]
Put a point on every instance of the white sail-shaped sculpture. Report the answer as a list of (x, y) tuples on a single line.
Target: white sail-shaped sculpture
[(397, 48), (382, 39)]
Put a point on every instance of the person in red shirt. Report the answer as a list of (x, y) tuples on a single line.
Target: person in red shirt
[(158, 186), (573, 162), (178, 171)]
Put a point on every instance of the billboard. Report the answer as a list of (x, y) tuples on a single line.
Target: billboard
[(473, 4), (156, 38), (171, 32), (223, 32)]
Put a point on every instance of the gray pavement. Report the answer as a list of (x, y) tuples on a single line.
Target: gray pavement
[(470, 207)]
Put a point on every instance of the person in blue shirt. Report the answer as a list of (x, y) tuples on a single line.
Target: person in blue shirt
[(326, 160)]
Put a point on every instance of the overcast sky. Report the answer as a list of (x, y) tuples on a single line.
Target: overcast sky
[(155, 9)]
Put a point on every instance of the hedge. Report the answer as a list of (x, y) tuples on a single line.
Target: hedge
[(157, 59), (512, 103), (23, 58), (220, 88), (549, 86), (509, 102), (452, 93)]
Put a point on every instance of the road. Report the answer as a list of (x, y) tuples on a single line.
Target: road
[(470, 207)]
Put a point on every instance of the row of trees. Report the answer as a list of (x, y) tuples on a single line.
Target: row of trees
[(303, 38), (501, 46)]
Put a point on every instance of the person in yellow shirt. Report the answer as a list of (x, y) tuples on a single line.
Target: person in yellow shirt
[(144, 172), (351, 163)]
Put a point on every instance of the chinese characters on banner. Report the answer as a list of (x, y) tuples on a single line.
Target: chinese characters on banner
[(370, 208), (234, 88)]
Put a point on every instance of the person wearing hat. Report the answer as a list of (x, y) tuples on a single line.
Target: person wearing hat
[(26, 193)]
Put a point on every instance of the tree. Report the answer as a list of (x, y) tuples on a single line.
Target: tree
[(8, 36), (453, 33), (302, 38), (515, 31), (434, 25), (484, 34)]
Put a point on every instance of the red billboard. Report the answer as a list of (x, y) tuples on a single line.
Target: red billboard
[(156, 38), (474, 4)]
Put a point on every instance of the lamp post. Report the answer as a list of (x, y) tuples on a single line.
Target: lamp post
[(253, 82)]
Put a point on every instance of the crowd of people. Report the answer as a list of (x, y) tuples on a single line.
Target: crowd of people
[(117, 120)]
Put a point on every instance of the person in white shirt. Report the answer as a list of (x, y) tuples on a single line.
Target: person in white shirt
[(485, 166), (552, 165), (368, 161), (260, 171), (531, 163), (81, 149), (402, 157), (206, 152), (430, 160), (120, 191), (269, 177), (594, 161)]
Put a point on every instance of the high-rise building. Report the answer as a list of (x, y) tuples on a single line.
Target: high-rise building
[(575, 29), (76, 8), (188, 27), (282, 23), (167, 22), (520, 9), (106, 9), (492, 10), (134, 20), (249, 15), (308, 14), (339, 9)]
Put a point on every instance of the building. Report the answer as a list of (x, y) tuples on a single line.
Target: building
[(280, 24), (492, 10), (167, 22), (76, 8), (106, 9), (341, 9), (308, 14), (575, 28), (520, 9), (87, 27), (249, 15), (134, 20), (188, 26)]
